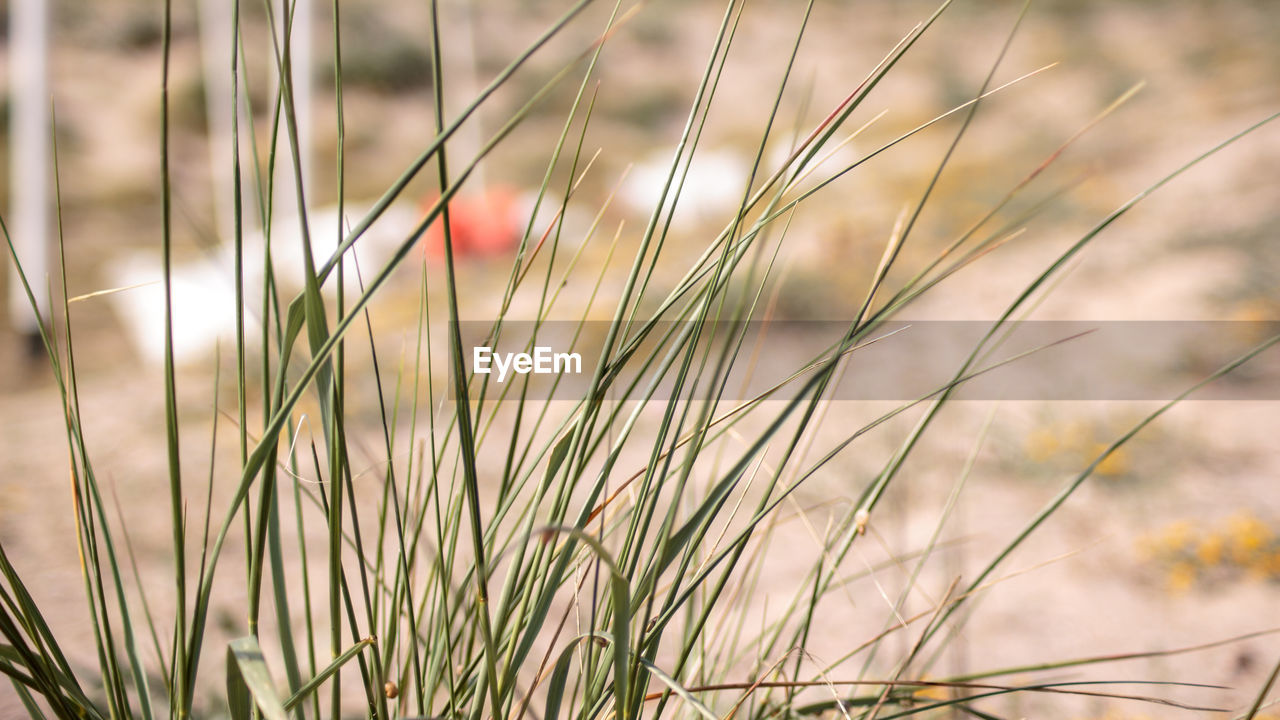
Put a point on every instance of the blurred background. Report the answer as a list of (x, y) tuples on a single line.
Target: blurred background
[(1177, 542)]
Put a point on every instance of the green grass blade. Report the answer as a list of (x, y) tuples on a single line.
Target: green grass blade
[(314, 683), (249, 678)]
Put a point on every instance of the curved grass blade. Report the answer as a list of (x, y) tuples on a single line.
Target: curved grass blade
[(678, 689), (314, 683), (249, 682)]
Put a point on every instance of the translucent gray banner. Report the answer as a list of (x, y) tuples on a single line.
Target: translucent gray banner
[(899, 360)]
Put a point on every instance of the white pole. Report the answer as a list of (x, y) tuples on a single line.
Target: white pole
[(29, 164)]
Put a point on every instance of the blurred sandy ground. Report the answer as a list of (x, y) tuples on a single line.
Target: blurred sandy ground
[(1204, 248)]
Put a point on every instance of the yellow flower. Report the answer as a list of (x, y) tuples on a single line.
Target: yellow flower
[(1249, 322), (1042, 444), (1178, 536), (1266, 566), (933, 693), (1248, 535), (1115, 463), (1182, 576), (1147, 547), (1210, 550)]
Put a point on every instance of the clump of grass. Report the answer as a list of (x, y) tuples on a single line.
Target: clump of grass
[(514, 554)]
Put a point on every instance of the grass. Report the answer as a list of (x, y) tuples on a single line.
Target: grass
[(510, 560)]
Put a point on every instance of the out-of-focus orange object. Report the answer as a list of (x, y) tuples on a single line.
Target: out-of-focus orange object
[(484, 225)]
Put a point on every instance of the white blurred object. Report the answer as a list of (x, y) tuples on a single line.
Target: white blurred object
[(831, 159), (712, 191), (203, 289), (370, 252), (717, 179), (203, 306)]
